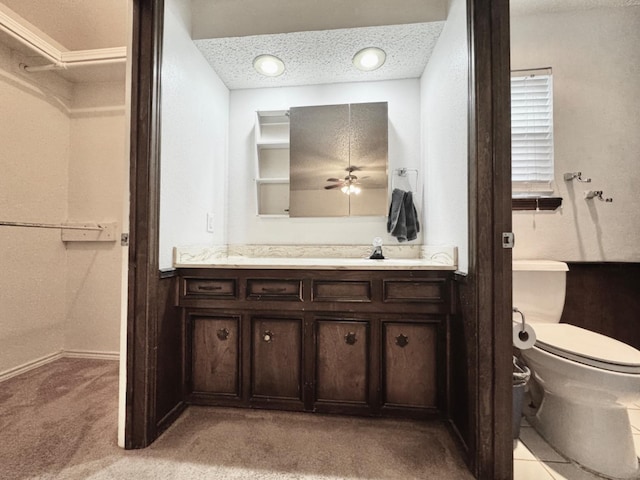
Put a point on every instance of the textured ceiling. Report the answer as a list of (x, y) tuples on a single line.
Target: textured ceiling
[(322, 56)]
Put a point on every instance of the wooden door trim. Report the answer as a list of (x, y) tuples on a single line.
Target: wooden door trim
[(143, 276), (489, 265), (489, 216)]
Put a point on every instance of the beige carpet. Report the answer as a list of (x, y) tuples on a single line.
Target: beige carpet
[(59, 422)]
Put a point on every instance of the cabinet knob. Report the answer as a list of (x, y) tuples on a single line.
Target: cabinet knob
[(350, 338), (402, 340), (223, 334), (267, 336)]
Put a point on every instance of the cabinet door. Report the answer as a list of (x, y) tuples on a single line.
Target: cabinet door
[(276, 358), (215, 361), (342, 352), (319, 151), (410, 364)]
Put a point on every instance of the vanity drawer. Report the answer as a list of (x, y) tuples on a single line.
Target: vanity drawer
[(207, 287), (274, 289), (341, 291), (427, 291)]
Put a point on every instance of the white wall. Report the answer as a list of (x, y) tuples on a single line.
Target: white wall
[(97, 173), (595, 59), (444, 106), (34, 141), (195, 125), (245, 227)]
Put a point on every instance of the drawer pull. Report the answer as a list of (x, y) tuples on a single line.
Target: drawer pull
[(350, 338), (223, 334), (402, 340), (274, 289), (267, 336), (209, 288)]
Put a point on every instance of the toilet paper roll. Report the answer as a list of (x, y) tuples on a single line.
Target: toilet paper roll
[(523, 339)]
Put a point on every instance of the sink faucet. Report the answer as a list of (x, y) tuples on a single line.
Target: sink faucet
[(377, 249)]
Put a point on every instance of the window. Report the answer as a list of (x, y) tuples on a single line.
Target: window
[(532, 131)]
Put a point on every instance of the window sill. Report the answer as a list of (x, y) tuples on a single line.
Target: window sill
[(536, 203)]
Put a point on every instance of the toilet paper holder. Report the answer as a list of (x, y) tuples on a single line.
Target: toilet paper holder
[(524, 336)]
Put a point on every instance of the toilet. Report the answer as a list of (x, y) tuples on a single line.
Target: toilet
[(586, 378)]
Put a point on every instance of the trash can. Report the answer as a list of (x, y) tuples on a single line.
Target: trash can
[(521, 376)]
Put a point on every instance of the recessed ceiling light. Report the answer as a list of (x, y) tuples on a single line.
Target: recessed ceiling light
[(268, 65), (369, 59)]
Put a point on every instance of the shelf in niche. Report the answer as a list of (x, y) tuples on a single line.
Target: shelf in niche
[(272, 180), (536, 203), (269, 145), (272, 163)]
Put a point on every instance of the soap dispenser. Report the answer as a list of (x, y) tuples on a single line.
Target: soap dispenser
[(377, 249)]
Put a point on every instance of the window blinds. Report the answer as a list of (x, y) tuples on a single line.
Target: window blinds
[(532, 128)]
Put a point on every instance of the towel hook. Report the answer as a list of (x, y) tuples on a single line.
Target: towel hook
[(589, 194), (577, 175)]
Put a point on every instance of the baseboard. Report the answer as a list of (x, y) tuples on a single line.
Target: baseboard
[(39, 362), (25, 367), (91, 354)]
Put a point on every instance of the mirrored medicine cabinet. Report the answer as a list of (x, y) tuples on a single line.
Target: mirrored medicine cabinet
[(323, 161)]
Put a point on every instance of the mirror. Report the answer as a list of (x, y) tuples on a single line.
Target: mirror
[(338, 160)]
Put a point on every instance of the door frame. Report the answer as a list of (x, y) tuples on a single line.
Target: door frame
[(489, 276), (144, 184)]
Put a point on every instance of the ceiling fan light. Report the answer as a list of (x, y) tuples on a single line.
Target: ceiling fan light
[(369, 59), (268, 65), (350, 188)]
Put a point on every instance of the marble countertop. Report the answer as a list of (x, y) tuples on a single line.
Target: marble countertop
[(321, 263), (318, 258)]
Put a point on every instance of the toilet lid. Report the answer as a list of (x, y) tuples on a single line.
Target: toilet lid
[(580, 345)]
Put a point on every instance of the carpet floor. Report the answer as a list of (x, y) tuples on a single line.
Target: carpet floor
[(59, 422)]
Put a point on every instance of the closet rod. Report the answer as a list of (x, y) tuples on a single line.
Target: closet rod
[(67, 65), (48, 225)]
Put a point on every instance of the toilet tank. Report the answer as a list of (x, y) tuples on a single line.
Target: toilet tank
[(539, 288)]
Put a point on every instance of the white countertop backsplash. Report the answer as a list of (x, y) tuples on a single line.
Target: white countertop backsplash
[(398, 257)]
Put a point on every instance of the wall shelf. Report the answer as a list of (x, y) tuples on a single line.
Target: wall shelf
[(272, 163), (536, 203)]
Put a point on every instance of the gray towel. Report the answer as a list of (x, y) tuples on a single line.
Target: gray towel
[(402, 221)]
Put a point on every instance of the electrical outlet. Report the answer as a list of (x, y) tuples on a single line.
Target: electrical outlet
[(210, 223)]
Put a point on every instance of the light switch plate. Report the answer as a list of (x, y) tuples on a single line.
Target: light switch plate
[(210, 223)]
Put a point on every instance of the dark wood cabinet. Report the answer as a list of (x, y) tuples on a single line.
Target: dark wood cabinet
[(215, 346), (342, 361), (353, 342), (410, 363), (276, 358)]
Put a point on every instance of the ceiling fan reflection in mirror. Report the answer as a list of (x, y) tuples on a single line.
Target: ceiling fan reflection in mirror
[(349, 184)]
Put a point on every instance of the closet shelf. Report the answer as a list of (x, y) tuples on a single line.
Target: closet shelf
[(56, 59)]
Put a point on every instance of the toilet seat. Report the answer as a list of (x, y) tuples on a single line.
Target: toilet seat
[(586, 347)]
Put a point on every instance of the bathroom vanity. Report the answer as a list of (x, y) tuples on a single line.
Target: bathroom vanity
[(357, 340)]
